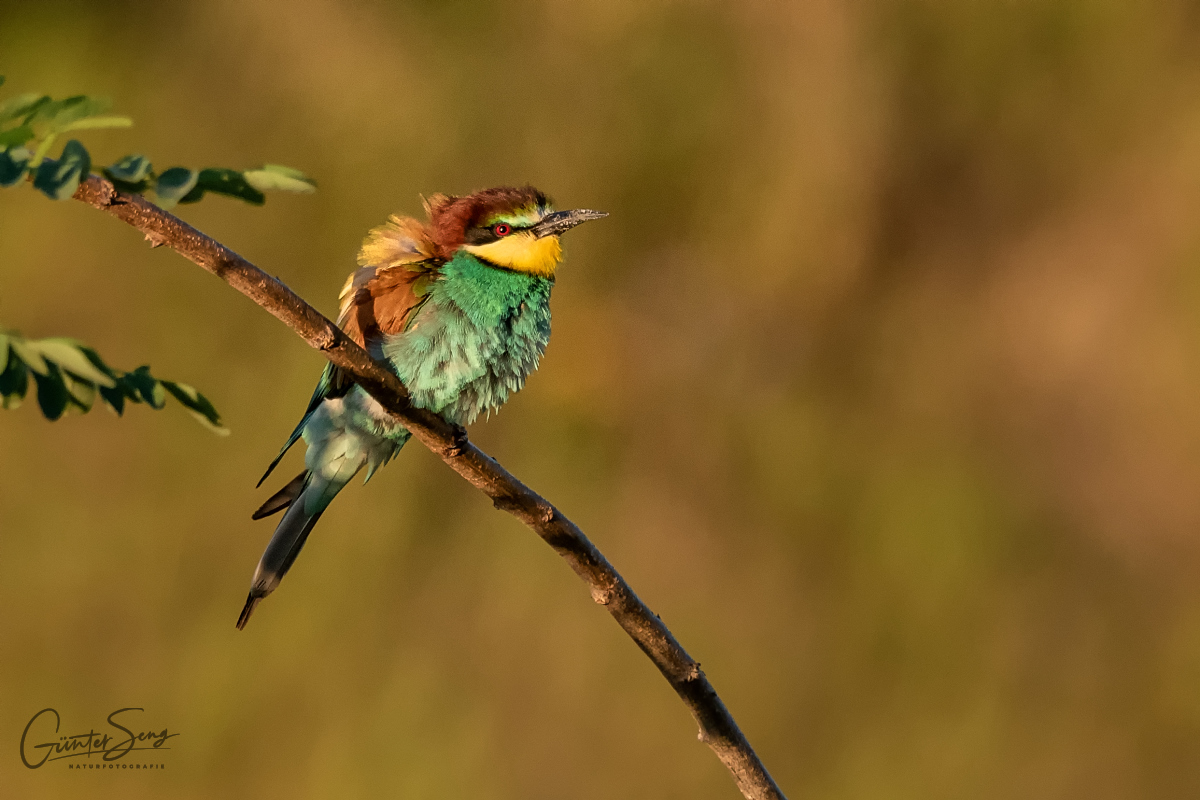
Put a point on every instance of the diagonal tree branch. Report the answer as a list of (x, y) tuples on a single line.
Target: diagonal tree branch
[(608, 588)]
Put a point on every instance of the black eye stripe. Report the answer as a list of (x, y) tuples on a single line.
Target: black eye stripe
[(481, 235)]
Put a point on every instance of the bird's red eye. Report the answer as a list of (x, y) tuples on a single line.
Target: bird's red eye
[(501, 230)]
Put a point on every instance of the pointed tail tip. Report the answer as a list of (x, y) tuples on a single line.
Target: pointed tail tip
[(253, 600)]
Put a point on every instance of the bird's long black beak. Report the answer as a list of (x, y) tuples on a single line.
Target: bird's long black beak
[(562, 221)]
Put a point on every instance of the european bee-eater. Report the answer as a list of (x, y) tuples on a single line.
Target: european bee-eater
[(458, 307)]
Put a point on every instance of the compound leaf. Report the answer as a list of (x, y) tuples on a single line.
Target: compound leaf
[(69, 375)]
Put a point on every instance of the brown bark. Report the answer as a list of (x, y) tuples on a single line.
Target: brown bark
[(608, 588)]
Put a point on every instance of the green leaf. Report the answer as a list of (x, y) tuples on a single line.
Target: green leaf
[(95, 123), (149, 390), (198, 405), (130, 169), (61, 113), (51, 393), (20, 105), (28, 354), (59, 179), (276, 176), (114, 398), (128, 389), (13, 383), (288, 172), (66, 354), (81, 394), (31, 113), (17, 136), (173, 185), (87, 107), (45, 109), (13, 163), (96, 360), (228, 182)]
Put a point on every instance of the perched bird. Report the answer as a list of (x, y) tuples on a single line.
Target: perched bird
[(458, 307)]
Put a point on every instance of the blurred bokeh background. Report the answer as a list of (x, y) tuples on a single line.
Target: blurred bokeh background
[(879, 384)]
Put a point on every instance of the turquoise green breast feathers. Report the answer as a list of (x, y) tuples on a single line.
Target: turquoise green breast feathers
[(458, 307)]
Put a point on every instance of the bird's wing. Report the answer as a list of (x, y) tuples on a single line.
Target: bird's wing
[(331, 384), (398, 261), (398, 267)]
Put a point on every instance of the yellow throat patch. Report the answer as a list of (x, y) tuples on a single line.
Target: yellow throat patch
[(522, 252)]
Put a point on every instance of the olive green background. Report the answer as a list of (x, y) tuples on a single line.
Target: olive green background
[(879, 384)]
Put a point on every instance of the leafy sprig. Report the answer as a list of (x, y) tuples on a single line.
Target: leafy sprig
[(31, 124), (70, 376)]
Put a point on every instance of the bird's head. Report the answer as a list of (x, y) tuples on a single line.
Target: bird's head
[(511, 228)]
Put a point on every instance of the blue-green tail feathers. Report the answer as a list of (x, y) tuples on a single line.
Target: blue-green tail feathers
[(283, 498), (285, 545), (305, 497)]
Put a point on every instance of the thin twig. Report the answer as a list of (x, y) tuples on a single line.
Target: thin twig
[(608, 588)]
